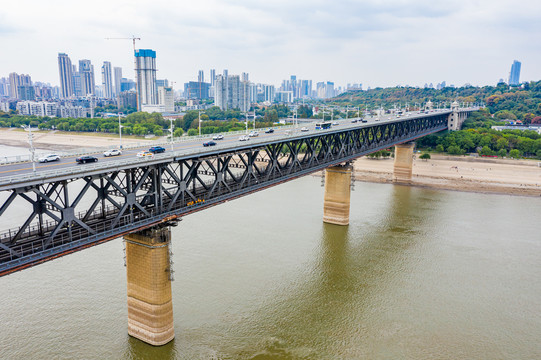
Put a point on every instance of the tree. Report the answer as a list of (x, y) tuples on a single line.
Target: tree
[(192, 132), (455, 150), (502, 153), (515, 154), (439, 148), (425, 156), (486, 151)]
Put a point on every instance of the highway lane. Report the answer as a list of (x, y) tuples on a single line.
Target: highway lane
[(197, 143)]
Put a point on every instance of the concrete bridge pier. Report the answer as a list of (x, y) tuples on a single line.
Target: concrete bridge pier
[(403, 163), (337, 194), (148, 267)]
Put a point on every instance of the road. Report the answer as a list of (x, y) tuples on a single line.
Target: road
[(229, 141)]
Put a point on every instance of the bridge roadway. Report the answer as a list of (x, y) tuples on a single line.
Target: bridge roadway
[(11, 173), (64, 207)]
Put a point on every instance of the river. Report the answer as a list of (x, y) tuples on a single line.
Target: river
[(418, 274)]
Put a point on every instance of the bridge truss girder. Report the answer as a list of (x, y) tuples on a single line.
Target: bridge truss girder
[(78, 212)]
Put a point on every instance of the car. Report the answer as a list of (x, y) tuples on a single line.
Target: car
[(143, 154), (253, 134), (353, 121), (364, 121), (335, 124), (156, 149), (112, 152), (49, 157), (209, 143), (244, 138), (304, 128), (86, 159), (269, 131), (218, 137)]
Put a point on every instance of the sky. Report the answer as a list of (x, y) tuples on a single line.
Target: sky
[(374, 42)]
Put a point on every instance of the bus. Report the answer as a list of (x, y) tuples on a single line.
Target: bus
[(323, 126)]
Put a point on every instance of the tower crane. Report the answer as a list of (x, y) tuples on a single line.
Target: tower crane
[(133, 38)]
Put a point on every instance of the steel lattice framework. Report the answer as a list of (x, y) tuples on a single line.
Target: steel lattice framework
[(66, 214)]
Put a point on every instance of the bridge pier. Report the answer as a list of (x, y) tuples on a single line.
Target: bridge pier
[(337, 194), (150, 306), (403, 163)]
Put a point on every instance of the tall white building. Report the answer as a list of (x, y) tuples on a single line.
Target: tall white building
[(107, 80), (86, 72), (145, 72), (118, 80), (66, 76), (166, 97)]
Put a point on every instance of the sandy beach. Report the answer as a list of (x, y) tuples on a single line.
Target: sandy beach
[(461, 173)]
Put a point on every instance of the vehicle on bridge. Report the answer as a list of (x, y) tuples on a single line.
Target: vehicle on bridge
[(304, 128), (143, 154), (49, 157), (86, 159), (112, 152), (244, 138), (253, 134), (209, 143), (269, 131), (364, 121), (218, 137), (156, 149), (353, 121), (323, 126)]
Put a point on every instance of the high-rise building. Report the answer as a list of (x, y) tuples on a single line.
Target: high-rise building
[(269, 93), (201, 76), (66, 76), (212, 76), (145, 72), (77, 89), (118, 79), (245, 77), (107, 80), (15, 82), (514, 74), (86, 72), (166, 97)]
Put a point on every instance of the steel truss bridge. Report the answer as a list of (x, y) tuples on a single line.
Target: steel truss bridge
[(69, 210)]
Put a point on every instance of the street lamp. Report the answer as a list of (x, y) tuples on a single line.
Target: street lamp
[(199, 122), (30, 137), (120, 131), (171, 130)]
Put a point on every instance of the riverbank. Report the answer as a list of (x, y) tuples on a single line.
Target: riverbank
[(462, 173), (59, 141)]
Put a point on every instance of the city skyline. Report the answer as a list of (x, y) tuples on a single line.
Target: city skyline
[(371, 43)]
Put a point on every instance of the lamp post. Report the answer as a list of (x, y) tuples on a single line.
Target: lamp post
[(30, 137), (199, 122), (171, 130), (120, 131)]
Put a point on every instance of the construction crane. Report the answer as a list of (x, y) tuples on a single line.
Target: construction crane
[(133, 38)]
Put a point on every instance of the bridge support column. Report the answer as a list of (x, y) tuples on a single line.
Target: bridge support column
[(403, 163), (150, 307), (337, 195)]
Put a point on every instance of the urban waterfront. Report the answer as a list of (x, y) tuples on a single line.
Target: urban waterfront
[(417, 274)]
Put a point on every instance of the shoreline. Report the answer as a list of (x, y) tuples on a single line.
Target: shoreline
[(445, 172), (490, 176)]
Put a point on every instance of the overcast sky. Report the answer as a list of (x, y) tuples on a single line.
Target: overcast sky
[(374, 42)]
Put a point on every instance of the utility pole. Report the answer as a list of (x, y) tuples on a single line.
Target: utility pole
[(30, 138)]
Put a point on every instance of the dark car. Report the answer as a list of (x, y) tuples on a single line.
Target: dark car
[(209, 143), (86, 159), (156, 149), (270, 131)]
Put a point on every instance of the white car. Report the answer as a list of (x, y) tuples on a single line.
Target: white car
[(244, 138), (218, 137), (49, 157), (112, 152), (143, 154), (253, 134), (304, 129)]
